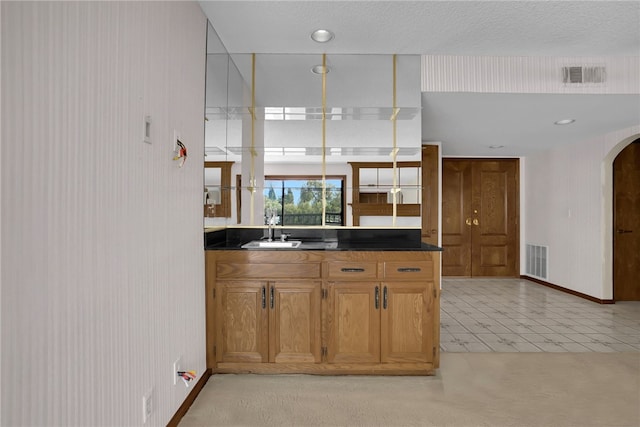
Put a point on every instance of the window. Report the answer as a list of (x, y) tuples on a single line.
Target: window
[(298, 200)]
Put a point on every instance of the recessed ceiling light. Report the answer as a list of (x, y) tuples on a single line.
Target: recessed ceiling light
[(496, 146), (564, 122), (320, 69), (322, 36)]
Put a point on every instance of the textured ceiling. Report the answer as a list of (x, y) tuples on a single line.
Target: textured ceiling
[(509, 28), (465, 123)]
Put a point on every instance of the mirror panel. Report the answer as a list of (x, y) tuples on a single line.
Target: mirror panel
[(285, 139)]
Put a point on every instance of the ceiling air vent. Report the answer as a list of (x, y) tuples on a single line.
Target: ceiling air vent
[(583, 74)]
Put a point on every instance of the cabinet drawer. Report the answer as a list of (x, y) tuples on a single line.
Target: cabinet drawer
[(356, 270), (409, 270), (307, 270)]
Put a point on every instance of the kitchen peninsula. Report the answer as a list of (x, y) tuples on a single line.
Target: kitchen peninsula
[(345, 301)]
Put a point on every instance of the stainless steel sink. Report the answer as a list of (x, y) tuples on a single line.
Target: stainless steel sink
[(276, 244), (319, 245)]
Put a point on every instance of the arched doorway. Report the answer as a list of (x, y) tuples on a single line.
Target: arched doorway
[(626, 224)]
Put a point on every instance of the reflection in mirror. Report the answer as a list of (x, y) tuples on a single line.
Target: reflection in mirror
[(217, 192), (212, 188), (287, 132), (297, 200), (374, 191)]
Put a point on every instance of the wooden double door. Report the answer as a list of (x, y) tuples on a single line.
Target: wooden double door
[(480, 217)]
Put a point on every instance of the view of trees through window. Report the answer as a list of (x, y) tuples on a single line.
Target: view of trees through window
[(299, 201)]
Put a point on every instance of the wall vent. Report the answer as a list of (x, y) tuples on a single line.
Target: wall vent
[(537, 261), (580, 74)]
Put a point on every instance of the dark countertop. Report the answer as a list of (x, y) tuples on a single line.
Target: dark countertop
[(332, 239)]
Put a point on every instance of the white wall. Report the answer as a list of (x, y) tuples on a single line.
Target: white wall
[(102, 253), (568, 199)]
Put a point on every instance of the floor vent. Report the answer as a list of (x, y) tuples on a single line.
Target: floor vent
[(537, 261), (584, 75)]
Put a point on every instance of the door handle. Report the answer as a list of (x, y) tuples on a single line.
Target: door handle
[(475, 221), (621, 231), (271, 298), (468, 221)]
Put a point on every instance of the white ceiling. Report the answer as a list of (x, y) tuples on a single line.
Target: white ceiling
[(465, 123)]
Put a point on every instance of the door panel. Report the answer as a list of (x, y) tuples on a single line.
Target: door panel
[(626, 231), (430, 185), (242, 322), (495, 206), (456, 209), (295, 322), (354, 323), (480, 210), (406, 331)]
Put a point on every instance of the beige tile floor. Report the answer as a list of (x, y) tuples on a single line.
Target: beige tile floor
[(514, 315)]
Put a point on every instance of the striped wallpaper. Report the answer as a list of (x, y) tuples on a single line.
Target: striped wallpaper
[(102, 256), (498, 74)]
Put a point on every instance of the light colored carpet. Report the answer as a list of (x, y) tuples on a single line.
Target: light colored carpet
[(470, 389)]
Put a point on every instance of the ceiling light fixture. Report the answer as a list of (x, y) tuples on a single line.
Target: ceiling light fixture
[(322, 36), (320, 69), (564, 122)]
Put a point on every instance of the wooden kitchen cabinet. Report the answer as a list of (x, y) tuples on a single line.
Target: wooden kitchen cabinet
[(323, 312), (407, 322), (383, 322), (242, 322), (268, 309), (294, 322), (262, 321), (354, 323)]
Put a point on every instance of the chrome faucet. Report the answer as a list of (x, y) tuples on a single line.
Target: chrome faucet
[(271, 221)]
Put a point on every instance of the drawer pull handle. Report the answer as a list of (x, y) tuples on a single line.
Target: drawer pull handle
[(377, 298), (409, 269), (271, 298), (264, 297), (352, 270), (384, 298)]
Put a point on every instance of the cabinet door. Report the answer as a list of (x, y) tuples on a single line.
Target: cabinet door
[(242, 321), (294, 322), (354, 322), (406, 328)]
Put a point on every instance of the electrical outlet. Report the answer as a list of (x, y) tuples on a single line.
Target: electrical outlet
[(147, 406), (177, 366)]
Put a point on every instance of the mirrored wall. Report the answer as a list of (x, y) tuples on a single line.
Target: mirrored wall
[(289, 163)]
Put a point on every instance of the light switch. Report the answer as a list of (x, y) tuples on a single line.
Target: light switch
[(147, 129)]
